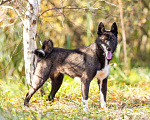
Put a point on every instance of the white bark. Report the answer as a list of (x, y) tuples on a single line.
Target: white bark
[(29, 36)]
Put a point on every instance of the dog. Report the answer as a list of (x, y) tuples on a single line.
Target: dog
[(86, 63)]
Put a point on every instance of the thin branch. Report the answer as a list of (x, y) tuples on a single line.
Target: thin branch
[(123, 35), (69, 8), (3, 2), (23, 7), (109, 3), (17, 12), (8, 24), (13, 54)]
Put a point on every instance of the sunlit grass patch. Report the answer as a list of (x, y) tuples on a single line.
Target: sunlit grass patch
[(124, 100)]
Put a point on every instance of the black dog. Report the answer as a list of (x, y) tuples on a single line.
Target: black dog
[(86, 63)]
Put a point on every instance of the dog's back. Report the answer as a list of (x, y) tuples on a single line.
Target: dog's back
[(73, 62)]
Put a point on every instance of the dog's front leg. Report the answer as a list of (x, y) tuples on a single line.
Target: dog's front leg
[(85, 83), (103, 91)]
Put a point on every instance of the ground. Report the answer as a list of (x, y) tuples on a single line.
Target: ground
[(125, 100)]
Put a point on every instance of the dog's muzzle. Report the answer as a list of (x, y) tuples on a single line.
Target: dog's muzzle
[(109, 53), (107, 50)]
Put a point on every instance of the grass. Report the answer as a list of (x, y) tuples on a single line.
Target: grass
[(128, 97)]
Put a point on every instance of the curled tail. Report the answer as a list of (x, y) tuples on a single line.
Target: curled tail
[(47, 48)]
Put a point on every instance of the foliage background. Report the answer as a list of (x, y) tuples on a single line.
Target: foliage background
[(72, 24), (72, 28)]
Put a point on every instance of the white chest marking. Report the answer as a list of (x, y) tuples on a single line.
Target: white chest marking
[(102, 74)]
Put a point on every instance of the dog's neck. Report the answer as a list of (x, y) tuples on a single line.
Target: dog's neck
[(101, 57)]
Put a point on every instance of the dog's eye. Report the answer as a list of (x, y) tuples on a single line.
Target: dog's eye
[(104, 40), (110, 38)]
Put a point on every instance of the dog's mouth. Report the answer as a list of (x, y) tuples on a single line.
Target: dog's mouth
[(107, 52), (109, 55)]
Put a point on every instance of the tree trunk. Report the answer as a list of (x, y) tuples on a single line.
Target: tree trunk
[(29, 36), (123, 35)]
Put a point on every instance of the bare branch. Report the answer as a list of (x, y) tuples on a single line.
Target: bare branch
[(123, 35), (3, 2), (13, 54), (109, 3), (70, 8), (8, 24), (17, 12)]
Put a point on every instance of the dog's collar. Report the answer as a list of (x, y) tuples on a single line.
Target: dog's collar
[(47, 54)]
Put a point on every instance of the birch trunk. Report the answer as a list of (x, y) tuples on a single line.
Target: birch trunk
[(29, 36)]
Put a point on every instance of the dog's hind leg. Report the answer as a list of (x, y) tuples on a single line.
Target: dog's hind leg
[(36, 84), (56, 83), (103, 91), (40, 76)]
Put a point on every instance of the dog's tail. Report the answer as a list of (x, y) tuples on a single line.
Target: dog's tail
[(47, 48)]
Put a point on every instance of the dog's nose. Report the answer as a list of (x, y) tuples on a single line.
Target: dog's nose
[(108, 48)]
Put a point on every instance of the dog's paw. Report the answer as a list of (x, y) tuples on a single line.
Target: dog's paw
[(85, 118), (49, 99), (104, 109), (25, 107), (85, 110)]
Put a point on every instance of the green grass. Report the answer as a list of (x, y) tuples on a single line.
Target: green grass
[(128, 97)]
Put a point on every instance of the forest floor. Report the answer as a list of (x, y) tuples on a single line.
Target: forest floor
[(124, 101)]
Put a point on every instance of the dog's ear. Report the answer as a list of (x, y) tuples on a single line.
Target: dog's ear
[(47, 46), (114, 29), (101, 29), (39, 52)]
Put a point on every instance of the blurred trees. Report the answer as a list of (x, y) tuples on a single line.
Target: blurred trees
[(73, 24)]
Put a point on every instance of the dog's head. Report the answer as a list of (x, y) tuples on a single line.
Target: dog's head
[(107, 40), (47, 47)]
